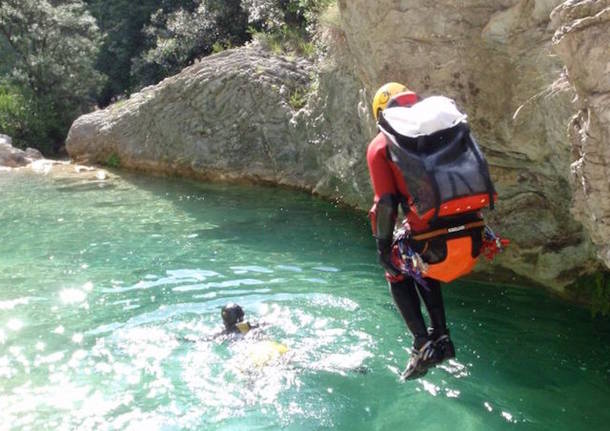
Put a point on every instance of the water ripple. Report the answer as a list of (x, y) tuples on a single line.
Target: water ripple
[(221, 284)]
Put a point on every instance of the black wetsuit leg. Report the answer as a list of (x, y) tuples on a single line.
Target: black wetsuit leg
[(407, 301), (433, 298)]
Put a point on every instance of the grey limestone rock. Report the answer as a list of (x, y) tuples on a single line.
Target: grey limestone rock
[(582, 41), (243, 114), (33, 154), (228, 116), (5, 139), (10, 156)]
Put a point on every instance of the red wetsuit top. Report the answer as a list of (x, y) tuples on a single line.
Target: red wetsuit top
[(388, 180)]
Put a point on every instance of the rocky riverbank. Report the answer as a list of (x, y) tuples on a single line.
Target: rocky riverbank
[(246, 114), (12, 158)]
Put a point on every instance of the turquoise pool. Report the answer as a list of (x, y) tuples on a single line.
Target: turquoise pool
[(111, 289)]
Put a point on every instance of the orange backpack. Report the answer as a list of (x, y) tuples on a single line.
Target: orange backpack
[(448, 179)]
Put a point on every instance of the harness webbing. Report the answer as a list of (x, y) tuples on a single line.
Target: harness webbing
[(445, 231)]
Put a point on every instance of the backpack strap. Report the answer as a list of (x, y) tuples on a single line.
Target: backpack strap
[(448, 230), (421, 144), (483, 168)]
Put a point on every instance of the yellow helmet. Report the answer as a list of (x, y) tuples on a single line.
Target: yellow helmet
[(384, 94)]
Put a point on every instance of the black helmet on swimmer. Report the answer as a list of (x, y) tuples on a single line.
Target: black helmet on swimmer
[(231, 315)]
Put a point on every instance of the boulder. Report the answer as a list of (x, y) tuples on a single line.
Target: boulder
[(228, 116), (244, 114), (10, 156), (33, 154), (5, 139)]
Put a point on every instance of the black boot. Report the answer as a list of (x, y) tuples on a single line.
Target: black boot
[(421, 359), (443, 346)]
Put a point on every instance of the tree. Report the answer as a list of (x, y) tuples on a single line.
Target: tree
[(176, 39), (276, 15), (148, 40), (50, 48), (122, 23)]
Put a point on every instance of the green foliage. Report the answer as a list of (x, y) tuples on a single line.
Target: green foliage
[(600, 300), (51, 47), (113, 161), (595, 289), (297, 99), (219, 47), (285, 40), (307, 49), (177, 39), (12, 112), (21, 119), (268, 40), (270, 15), (286, 26), (123, 24)]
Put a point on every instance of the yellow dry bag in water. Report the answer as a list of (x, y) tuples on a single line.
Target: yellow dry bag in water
[(264, 352)]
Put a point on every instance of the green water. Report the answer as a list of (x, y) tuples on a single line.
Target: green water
[(103, 284)]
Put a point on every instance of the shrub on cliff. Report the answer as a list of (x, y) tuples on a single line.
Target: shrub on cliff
[(18, 118), (48, 76), (285, 26)]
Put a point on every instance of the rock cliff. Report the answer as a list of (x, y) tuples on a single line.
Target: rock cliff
[(583, 43), (248, 114), (494, 58)]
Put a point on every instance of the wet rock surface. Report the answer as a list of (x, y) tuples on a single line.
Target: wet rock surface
[(32, 160)]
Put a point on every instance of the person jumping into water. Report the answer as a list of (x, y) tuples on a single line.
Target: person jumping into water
[(425, 161)]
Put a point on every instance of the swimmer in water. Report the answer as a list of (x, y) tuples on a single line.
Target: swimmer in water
[(233, 319), (261, 351), (234, 325)]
